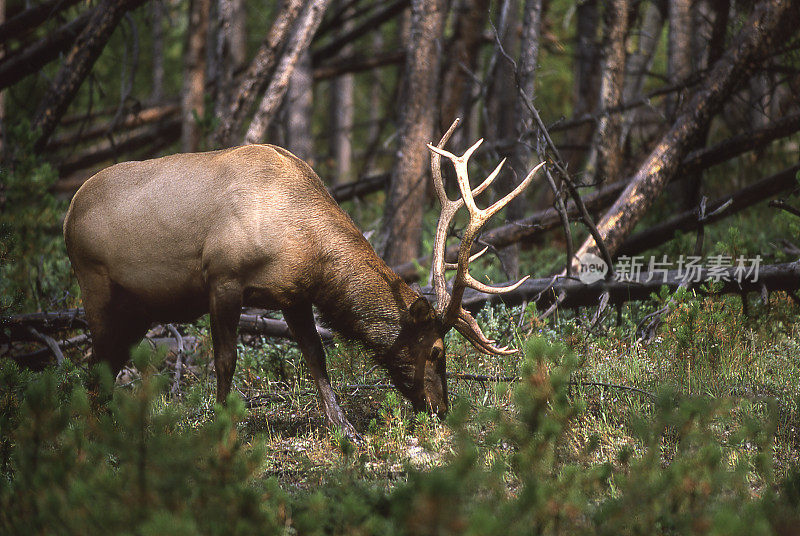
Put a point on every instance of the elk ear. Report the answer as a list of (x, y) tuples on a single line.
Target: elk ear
[(421, 311)]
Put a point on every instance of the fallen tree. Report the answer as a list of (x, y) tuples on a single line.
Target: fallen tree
[(717, 209), (734, 279), (770, 24), (548, 219), (30, 59)]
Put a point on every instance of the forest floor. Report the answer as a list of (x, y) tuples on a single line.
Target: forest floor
[(749, 366)]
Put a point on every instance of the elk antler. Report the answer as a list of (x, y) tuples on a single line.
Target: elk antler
[(448, 306)]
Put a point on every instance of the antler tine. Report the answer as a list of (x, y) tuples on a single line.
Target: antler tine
[(477, 285), (466, 325), (453, 266), (436, 165), (449, 209), (492, 210)]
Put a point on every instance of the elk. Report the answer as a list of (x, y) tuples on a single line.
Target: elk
[(169, 239)]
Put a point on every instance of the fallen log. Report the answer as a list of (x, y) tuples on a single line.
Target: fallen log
[(548, 219), (718, 209), (22, 62), (169, 130), (773, 277), (17, 328), (543, 292), (128, 121), (33, 17)]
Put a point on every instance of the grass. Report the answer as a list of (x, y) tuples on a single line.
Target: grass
[(706, 347)]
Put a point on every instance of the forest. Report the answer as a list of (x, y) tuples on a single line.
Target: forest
[(603, 340)]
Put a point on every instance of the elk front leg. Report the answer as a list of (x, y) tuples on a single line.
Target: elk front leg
[(301, 322), (225, 306)]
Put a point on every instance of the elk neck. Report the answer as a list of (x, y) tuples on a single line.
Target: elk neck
[(360, 297)]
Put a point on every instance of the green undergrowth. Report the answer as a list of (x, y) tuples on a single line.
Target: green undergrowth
[(706, 444)]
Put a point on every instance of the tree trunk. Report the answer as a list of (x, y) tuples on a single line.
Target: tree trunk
[(521, 155), (586, 76), (299, 109), (341, 119), (77, 64), (679, 50), (606, 156), (640, 62), (402, 222), (772, 21), (258, 73), (194, 75), (2, 93), (463, 52), (342, 110), (157, 14), (299, 40), (231, 51)]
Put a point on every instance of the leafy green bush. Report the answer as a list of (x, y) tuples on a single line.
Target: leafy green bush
[(34, 268), (126, 468), (130, 466)]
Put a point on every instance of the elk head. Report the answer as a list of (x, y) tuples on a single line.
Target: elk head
[(429, 387)]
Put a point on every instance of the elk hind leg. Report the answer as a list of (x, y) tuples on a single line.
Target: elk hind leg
[(115, 321), (225, 308)]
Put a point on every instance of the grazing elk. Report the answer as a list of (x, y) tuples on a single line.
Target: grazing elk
[(169, 239)]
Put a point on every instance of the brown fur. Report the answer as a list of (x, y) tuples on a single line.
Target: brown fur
[(169, 239)]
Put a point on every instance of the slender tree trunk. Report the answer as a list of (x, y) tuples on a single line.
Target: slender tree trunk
[(299, 109), (470, 20), (521, 154), (77, 65), (587, 63), (606, 157), (771, 23), (300, 38), (231, 50), (258, 73), (640, 62), (157, 14), (679, 52), (2, 93), (708, 38), (375, 115), (194, 75), (341, 119), (342, 111), (404, 204)]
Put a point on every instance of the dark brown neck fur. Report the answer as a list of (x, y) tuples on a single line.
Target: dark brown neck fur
[(362, 298)]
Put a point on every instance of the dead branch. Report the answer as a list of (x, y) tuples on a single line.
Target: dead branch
[(169, 130), (369, 24), (30, 59), (718, 209), (357, 63), (78, 63), (772, 21), (129, 121), (33, 17)]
